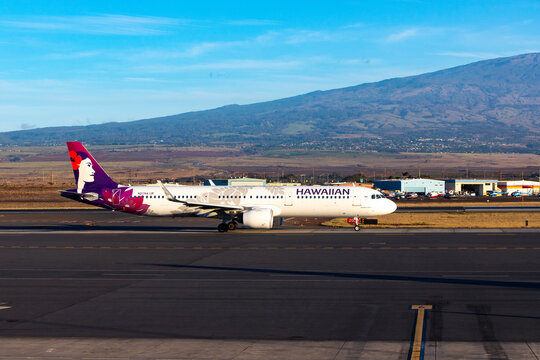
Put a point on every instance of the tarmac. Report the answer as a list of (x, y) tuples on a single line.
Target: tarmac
[(109, 286)]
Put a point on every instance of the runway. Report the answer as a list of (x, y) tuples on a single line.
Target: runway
[(126, 291)]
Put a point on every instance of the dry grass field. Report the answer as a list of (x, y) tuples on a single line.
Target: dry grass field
[(128, 164), (450, 220)]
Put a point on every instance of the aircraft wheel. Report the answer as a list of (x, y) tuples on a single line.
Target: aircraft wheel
[(223, 227), (231, 226), (357, 228)]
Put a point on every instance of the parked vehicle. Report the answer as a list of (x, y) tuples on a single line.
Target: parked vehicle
[(519, 193), (411, 196), (434, 195)]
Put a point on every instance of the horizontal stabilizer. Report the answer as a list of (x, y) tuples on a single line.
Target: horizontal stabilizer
[(85, 196)]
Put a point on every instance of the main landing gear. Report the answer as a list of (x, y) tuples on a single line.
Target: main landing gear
[(224, 227)]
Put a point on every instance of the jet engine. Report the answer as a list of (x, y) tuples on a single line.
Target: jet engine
[(258, 218)]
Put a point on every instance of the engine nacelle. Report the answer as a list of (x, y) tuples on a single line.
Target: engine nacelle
[(258, 218)]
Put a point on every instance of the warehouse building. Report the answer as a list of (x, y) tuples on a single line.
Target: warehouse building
[(419, 186), (236, 182), (468, 186), (523, 186)]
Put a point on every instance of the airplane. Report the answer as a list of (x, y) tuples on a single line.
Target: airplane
[(253, 206)]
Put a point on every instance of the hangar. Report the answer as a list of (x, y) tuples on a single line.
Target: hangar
[(523, 186), (476, 186), (420, 186)]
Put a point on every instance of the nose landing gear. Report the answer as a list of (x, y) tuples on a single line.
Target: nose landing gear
[(357, 221)]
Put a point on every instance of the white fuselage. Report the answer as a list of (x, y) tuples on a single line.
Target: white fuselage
[(304, 201)]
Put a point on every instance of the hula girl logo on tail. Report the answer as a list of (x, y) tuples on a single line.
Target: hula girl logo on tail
[(89, 176), (83, 169)]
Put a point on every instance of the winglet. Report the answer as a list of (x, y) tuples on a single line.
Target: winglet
[(168, 194)]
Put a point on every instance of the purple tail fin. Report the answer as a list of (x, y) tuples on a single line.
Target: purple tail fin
[(89, 176)]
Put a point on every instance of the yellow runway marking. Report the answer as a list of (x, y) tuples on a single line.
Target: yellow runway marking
[(417, 346)]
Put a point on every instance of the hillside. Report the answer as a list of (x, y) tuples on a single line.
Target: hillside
[(491, 105)]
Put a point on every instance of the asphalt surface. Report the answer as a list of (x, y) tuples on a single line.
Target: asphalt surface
[(123, 290)]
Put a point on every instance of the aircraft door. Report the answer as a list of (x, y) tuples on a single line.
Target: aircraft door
[(356, 198), (288, 199)]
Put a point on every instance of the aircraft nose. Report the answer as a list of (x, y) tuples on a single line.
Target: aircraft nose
[(391, 206)]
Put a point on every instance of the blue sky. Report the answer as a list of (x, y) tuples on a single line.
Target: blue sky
[(89, 62)]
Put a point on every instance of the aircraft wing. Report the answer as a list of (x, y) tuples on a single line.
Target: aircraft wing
[(201, 205)]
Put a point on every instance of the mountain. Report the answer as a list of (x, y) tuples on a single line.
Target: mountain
[(491, 105)]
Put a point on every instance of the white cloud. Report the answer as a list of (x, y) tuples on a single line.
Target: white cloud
[(103, 24), (251, 22), (205, 47), (74, 55), (470, 55), (405, 34), (145, 79), (303, 36), (245, 64), (354, 26)]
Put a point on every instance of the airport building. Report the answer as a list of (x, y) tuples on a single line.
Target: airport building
[(236, 182), (284, 184), (420, 186), (523, 186), (477, 186)]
